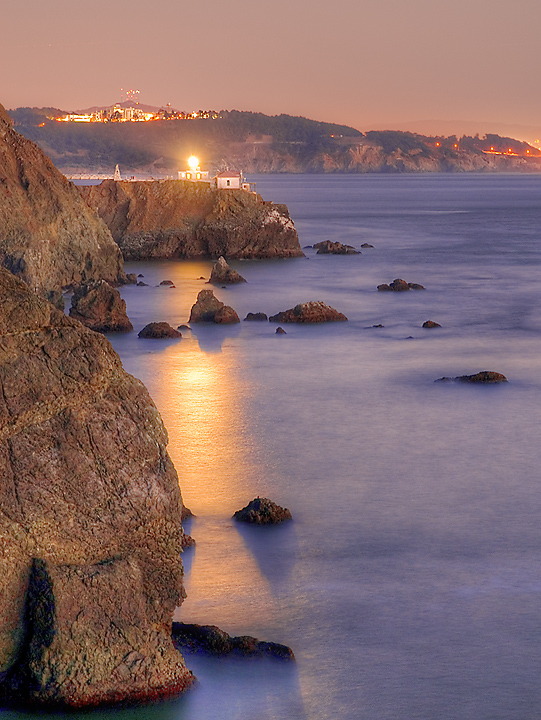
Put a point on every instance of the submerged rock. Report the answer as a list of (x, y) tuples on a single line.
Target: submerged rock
[(280, 331), (90, 528), (367, 245), (399, 285), (222, 273), (100, 307), (431, 324), (49, 237), (210, 640), (310, 312), (484, 377), (328, 247), (262, 511), (159, 331), (209, 309)]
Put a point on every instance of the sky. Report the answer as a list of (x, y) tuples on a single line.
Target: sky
[(370, 64)]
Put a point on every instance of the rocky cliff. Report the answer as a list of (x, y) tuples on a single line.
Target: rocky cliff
[(48, 236), (90, 518), (182, 219)]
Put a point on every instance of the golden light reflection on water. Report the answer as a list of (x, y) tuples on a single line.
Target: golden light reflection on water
[(202, 402)]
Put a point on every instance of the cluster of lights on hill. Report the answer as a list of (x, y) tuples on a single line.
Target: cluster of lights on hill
[(116, 113)]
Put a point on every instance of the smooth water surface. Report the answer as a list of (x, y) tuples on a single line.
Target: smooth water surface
[(409, 582)]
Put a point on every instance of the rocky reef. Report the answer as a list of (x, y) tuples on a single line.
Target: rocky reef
[(48, 236), (484, 377), (182, 219), (309, 312), (90, 518), (262, 511)]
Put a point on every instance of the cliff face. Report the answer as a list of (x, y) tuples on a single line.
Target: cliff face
[(90, 508), (48, 236), (182, 219)]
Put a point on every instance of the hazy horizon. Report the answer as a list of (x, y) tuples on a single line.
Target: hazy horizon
[(375, 65)]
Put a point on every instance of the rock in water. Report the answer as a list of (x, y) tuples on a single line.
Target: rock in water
[(182, 219), (48, 235), (310, 312), (262, 511), (399, 285), (222, 273), (90, 528), (159, 331), (256, 317), (209, 309), (100, 307), (431, 324), (483, 377), (328, 247)]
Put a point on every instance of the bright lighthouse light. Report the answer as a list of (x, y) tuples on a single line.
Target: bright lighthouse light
[(193, 162)]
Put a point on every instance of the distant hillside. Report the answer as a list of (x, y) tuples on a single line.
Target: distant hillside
[(258, 143)]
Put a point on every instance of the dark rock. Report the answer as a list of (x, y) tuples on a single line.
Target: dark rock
[(483, 377), (131, 279), (280, 331), (307, 247), (431, 324), (328, 247), (49, 237), (262, 511), (367, 245), (201, 278), (167, 282), (176, 219), (90, 527), (399, 285), (310, 312), (377, 326), (210, 640), (142, 284), (100, 307), (222, 273), (159, 331), (140, 275), (209, 309), (256, 316), (184, 327)]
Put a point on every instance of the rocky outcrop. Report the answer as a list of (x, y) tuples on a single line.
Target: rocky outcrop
[(328, 247), (182, 219), (399, 285), (209, 309), (222, 273), (262, 511), (159, 331), (256, 317), (211, 640), (484, 377), (310, 312), (100, 307), (90, 508), (49, 237)]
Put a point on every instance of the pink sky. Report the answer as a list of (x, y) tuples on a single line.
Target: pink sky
[(366, 63)]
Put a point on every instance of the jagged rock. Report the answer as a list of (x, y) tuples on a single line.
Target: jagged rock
[(209, 309), (181, 219), (262, 511), (158, 331), (310, 312), (484, 377), (280, 331), (222, 273), (49, 236), (100, 307), (131, 279), (328, 247), (367, 245), (211, 640), (431, 324), (399, 285), (257, 317), (90, 528)]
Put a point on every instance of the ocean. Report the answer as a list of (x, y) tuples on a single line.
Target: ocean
[(409, 583)]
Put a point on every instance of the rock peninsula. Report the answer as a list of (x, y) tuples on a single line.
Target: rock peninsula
[(90, 518), (168, 219), (48, 236)]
